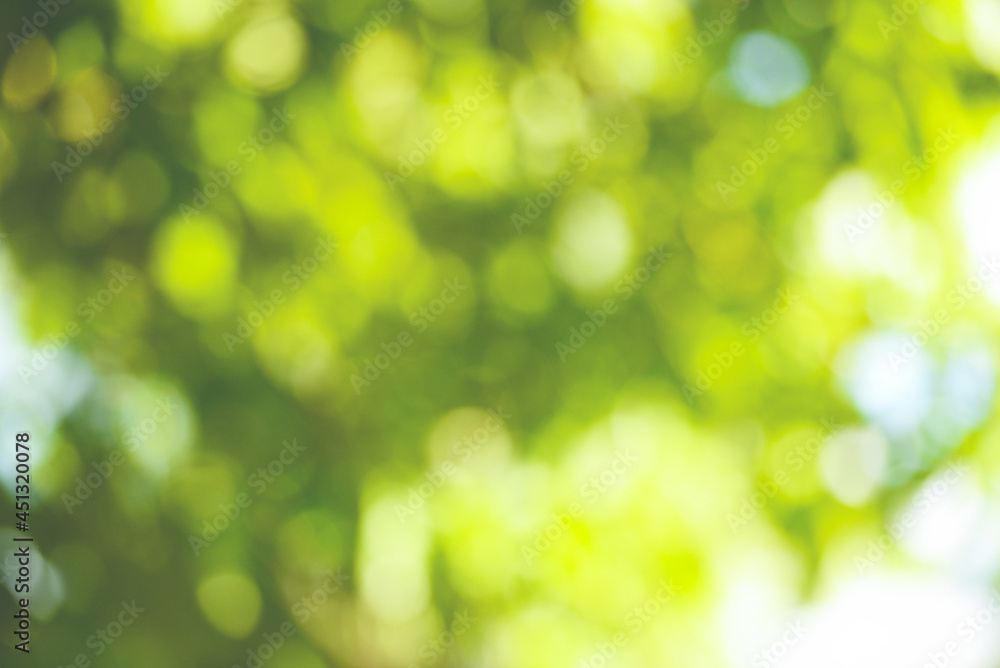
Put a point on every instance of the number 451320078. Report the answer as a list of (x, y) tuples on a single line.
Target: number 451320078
[(22, 454)]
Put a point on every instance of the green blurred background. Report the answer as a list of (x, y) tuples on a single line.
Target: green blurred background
[(528, 334)]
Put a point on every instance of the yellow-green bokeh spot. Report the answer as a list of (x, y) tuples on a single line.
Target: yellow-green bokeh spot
[(29, 74), (267, 54), (231, 602), (195, 264)]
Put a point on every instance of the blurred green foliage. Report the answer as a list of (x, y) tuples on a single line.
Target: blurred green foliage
[(361, 227)]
